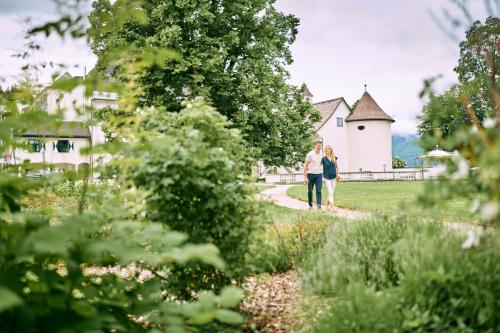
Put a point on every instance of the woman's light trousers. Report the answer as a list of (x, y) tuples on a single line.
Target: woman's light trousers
[(330, 188)]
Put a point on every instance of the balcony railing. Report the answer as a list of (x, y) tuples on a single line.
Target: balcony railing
[(366, 176)]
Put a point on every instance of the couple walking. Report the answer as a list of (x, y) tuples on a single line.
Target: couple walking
[(318, 167)]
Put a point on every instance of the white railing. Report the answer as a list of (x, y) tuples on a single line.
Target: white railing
[(366, 176)]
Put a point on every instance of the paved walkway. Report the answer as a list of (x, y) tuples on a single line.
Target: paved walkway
[(278, 196)]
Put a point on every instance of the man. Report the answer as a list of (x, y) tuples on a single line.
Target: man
[(313, 173)]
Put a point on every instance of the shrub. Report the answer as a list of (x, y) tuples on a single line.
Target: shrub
[(447, 289), (362, 309), (192, 165), (442, 288), (55, 195), (45, 284), (398, 163)]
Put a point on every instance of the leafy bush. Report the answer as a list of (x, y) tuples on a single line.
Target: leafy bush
[(442, 288), (54, 195), (192, 166), (361, 252), (398, 163), (47, 283), (447, 289), (362, 309)]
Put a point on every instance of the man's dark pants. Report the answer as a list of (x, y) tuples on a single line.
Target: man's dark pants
[(312, 181)]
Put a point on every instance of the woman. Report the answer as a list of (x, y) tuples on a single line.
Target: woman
[(330, 174)]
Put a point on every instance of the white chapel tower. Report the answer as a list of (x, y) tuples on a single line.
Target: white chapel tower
[(370, 137)]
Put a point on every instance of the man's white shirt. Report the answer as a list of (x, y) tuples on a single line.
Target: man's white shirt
[(314, 160)]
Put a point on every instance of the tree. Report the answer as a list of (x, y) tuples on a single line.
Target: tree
[(467, 119), (398, 163), (445, 114), (232, 53), (49, 272)]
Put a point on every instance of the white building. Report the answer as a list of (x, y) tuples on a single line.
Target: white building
[(361, 139), (60, 147)]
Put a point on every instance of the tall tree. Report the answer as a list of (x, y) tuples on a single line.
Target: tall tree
[(233, 53), (478, 63)]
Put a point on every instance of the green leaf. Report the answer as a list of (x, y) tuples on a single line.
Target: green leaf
[(230, 297), (84, 309), (175, 329), (8, 299), (49, 240), (229, 317), (203, 317), (206, 299), (66, 84)]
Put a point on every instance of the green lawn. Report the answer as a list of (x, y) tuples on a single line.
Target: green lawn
[(387, 197), (260, 187), (283, 215)]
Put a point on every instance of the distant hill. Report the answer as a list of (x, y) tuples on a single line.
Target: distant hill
[(404, 147)]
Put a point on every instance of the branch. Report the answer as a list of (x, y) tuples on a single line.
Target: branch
[(492, 74), (158, 275), (154, 272), (465, 100), (462, 6)]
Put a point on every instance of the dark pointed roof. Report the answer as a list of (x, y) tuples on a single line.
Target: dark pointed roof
[(326, 109), (305, 91), (368, 109)]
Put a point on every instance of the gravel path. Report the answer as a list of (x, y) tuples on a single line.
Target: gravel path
[(278, 196)]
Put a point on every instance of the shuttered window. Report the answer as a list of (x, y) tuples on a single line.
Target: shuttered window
[(35, 145), (63, 146)]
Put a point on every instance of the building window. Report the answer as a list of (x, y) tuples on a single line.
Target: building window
[(63, 146), (35, 145), (361, 127), (340, 122)]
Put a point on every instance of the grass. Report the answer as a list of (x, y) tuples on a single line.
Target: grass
[(286, 238), (261, 188), (283, 215), (389, 197)]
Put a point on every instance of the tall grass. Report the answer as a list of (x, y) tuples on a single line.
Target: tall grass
[(287, 238), (400, 275), (358, 252)]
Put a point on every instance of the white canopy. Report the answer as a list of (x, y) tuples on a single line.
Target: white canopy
[(436, 153)]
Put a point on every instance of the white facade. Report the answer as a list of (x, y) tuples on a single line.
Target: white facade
[(334, 132), (370, 145), (61, 148), (71, 102), (54, 159), (361, 139)]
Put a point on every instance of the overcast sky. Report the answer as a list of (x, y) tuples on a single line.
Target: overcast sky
[(390, 45)]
